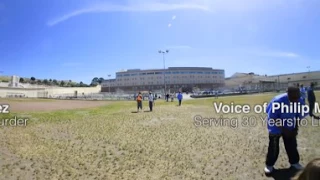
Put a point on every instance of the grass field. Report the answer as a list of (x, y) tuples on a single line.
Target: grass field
[(110, 141)]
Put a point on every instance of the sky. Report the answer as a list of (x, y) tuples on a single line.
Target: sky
[(83, 39)]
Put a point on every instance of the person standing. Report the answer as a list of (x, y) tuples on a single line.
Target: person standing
[(155, 96), (285, 125), (151, 101), (216, 95), (139, 101), (303, 93), (179, 97), (312, 101)]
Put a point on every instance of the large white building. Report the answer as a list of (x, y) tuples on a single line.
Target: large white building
[(172, 79)]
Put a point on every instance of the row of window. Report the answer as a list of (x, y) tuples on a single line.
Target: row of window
[(171, 77), (160, 83), (174, 72)]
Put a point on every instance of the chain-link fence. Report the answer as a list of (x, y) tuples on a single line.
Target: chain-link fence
[(104, 96), (265, 86)]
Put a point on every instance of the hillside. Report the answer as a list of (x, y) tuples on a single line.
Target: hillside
[(47, 82)]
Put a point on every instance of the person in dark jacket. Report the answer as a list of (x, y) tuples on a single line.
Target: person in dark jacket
[(312, 101)]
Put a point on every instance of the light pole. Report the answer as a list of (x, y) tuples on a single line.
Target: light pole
[(109, 82), (278, 83), (308, 67), (164, 68)]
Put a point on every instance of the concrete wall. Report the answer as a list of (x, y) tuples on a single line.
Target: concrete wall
[(47, 92), (71, 90), (4, 84), (25, 85), (7, 91)]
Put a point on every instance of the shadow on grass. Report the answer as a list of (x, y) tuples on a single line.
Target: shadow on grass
[(140, 111), (283, 174)]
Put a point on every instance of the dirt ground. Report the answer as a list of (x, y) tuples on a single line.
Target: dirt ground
[(27, 105)]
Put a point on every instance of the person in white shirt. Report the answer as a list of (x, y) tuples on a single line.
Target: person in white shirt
[(151, 101)]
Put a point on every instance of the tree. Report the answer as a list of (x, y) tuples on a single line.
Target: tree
[(45, 81), (81, 84), (62, 83), (21, 80), (100, 80), (93, 84), (39, 81), (95, 81), (32, 78), (55, 82)]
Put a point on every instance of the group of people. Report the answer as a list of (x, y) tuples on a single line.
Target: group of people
[(287, 125), (151, 100), (170, 96)]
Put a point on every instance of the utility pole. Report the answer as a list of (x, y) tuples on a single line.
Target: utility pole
[(109, 82), (309, 78), (164, 69), (278, 83)]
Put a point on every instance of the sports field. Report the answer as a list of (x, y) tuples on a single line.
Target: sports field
[(65, 139)]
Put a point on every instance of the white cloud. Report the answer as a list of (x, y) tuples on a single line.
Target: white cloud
[(145, 7), (169, 25), (262, 52), (279, 54), (217, 6), (178, 47), (174, 17), (247, 6), (287, 54)]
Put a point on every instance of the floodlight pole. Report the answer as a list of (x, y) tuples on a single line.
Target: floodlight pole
[(109, 82), (164, 69)]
